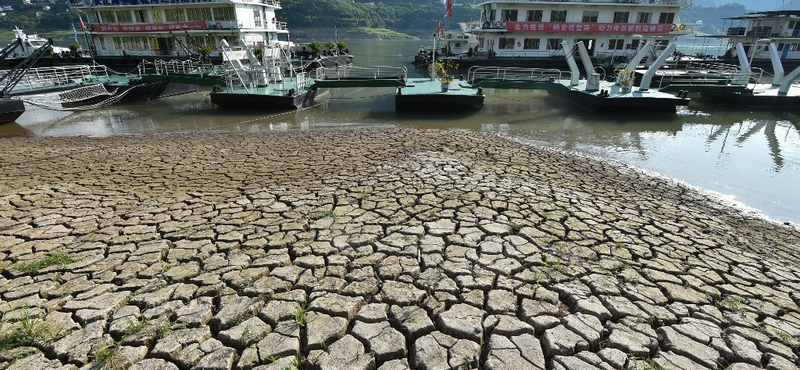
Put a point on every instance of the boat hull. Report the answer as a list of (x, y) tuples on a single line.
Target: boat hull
[(10, 109), (434, 102), (628, 103), (756, 101), (227, 100)]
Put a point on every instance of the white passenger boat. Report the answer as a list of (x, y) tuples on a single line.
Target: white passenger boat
[(529, 33)]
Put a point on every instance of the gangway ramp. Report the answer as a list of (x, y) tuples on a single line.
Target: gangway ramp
[(357, 76), (514, 77)]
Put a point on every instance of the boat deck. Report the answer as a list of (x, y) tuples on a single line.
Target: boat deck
[(425, 93), (763, 96), (612, 98)]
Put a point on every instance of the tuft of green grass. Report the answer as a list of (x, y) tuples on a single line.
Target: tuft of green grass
[(29, 331), (320, 215), (300, 316), (57, 258), (106, 357), (732, 303)]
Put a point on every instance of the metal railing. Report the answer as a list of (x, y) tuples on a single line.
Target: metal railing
[(496, 73), (361, 73), (702, 74), (36, 79), (183, 67)]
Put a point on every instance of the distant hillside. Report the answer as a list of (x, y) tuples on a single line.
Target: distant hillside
[(751, 4), (411, 17)]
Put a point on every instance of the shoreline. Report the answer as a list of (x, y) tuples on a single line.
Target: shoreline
[(399, 248)]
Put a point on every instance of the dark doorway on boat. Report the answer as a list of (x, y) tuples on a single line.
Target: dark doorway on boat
[(589, 43), (164, 45)]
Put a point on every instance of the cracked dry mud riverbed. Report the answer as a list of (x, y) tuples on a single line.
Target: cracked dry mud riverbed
[(384, 249)]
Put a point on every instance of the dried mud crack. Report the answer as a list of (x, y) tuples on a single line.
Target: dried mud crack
[(377, 249)]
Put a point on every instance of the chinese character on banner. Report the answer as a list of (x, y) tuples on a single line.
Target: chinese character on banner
[(556, 27), (540, 26), (517, 27)]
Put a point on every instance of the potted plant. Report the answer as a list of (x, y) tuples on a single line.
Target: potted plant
[(443, 71)]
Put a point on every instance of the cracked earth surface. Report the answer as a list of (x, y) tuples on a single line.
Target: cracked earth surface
[(384, 249)]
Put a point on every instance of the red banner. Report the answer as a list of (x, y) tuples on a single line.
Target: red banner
[(196, 25), (587, 27)]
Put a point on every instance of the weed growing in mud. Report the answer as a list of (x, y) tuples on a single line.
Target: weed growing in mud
[(28, 332), (57, 258), (300, 316)]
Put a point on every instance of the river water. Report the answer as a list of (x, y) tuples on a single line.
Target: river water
[(750, 159)]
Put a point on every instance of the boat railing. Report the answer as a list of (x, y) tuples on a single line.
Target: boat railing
[(41, 78), (362, 73), (184, 67), (497, 73), (705, 74)]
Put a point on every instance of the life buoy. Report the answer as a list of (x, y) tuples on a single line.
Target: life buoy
[(497, 24), (218, 25), (681, 27)]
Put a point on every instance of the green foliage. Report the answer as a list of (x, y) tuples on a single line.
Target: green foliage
[(443, 70), (57, 258), (341, 45), (712, 17), (330, 45), (300, 316), (74, 47), (315, 46), (27, 332)]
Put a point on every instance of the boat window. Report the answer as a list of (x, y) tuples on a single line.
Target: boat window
[(175, 15), (508, 15), (589, 16), (257, 17), (506, 43), (644, 18), (198, 14), (558, 16), (616, 44), (553, 44), (92, 17), (107, 16), (531, 44), (534, 16), (666, 18), (124, 16), (141, 16), (222, 14), (621, 17)]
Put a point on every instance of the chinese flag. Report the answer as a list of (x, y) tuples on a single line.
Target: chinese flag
[(448, 11), (83, 27), (438, 28)]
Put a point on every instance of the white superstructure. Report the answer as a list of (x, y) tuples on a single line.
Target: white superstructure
[(177, 27), (755, 31), (609, 28)]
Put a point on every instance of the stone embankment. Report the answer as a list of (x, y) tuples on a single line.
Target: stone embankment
[(376, 250)]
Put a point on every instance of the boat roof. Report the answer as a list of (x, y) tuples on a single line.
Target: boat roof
[(769, 14)]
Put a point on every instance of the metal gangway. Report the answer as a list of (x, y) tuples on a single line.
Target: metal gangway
[(515, 77), (47, 79), (706, 76), (361, 76)]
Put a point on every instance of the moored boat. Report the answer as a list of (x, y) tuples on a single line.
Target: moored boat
[(528, 33), (10, 109), (269, 83)]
